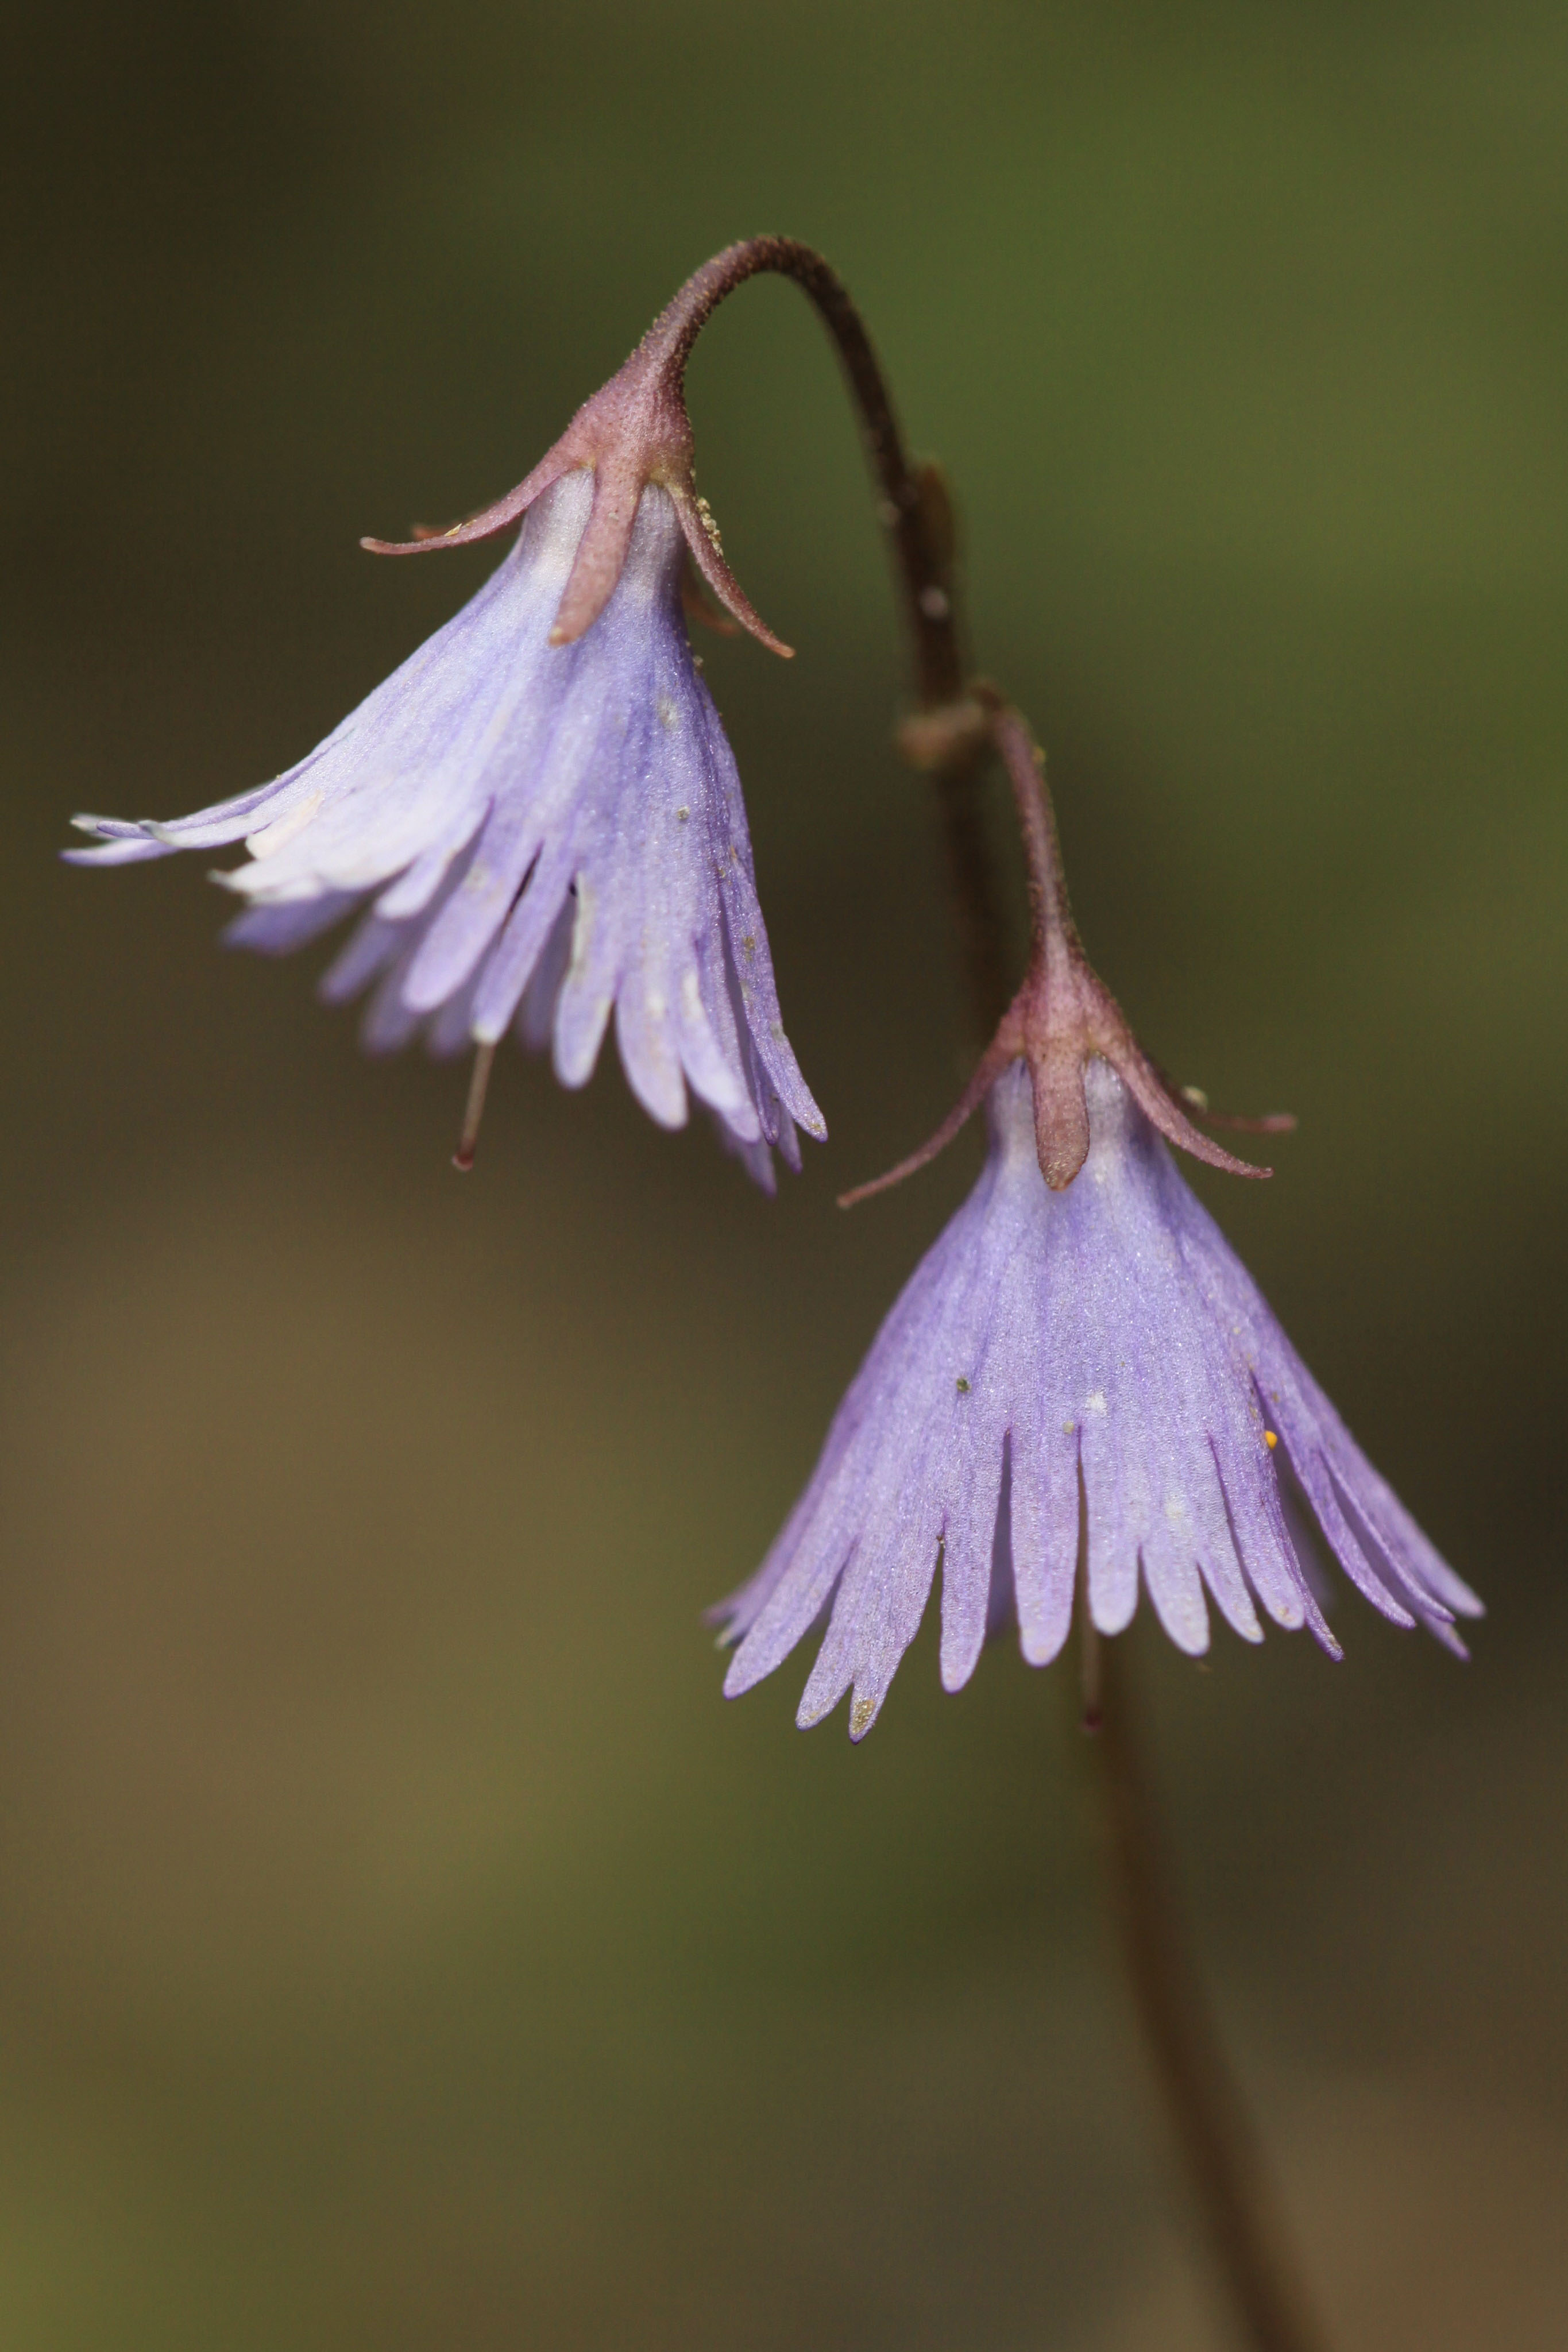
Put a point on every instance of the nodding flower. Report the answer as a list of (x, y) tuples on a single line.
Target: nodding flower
[(1080, 1369), (1088, 1366), (538, 817)]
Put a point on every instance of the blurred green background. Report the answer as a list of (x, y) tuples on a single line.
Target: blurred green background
[(401, 1944)]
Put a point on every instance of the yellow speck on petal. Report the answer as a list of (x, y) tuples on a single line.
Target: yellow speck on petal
[(860, 1716), (963, 1385), (1271, 1439)]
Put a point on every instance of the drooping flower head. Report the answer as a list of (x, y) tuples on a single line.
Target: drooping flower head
[(1080, 1359), (539, 816), (1100, 1350)]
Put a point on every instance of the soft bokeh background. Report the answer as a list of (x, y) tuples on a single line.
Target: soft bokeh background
[(401, 1944)]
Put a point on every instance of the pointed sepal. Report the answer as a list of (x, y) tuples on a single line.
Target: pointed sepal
[(633, 431)]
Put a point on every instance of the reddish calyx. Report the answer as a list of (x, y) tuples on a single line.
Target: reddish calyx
[(633, 432), (1063, 1012)]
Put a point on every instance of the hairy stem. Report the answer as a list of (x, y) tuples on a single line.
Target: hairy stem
[(920, 545), (1236, 2196), (1026, 765)]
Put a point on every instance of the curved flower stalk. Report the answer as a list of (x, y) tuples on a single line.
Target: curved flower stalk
[(1091, 1356), (539, 832)]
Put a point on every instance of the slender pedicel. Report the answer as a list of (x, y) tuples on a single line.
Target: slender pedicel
[(1063, 1013)]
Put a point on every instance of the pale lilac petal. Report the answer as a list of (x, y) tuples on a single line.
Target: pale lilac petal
[(1091, 1367), (117, 849), (1262, 1539), (968, 1547), (806, 1561), (732, 850), (1377, 1543), (390, 1020), (647, 1053), (755, 1157), (279, 930), (373, 946), (589, 991), (541, 837), (450, 1030), (415, 889), (1043, 1536), (512, 968), (454, 939)]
